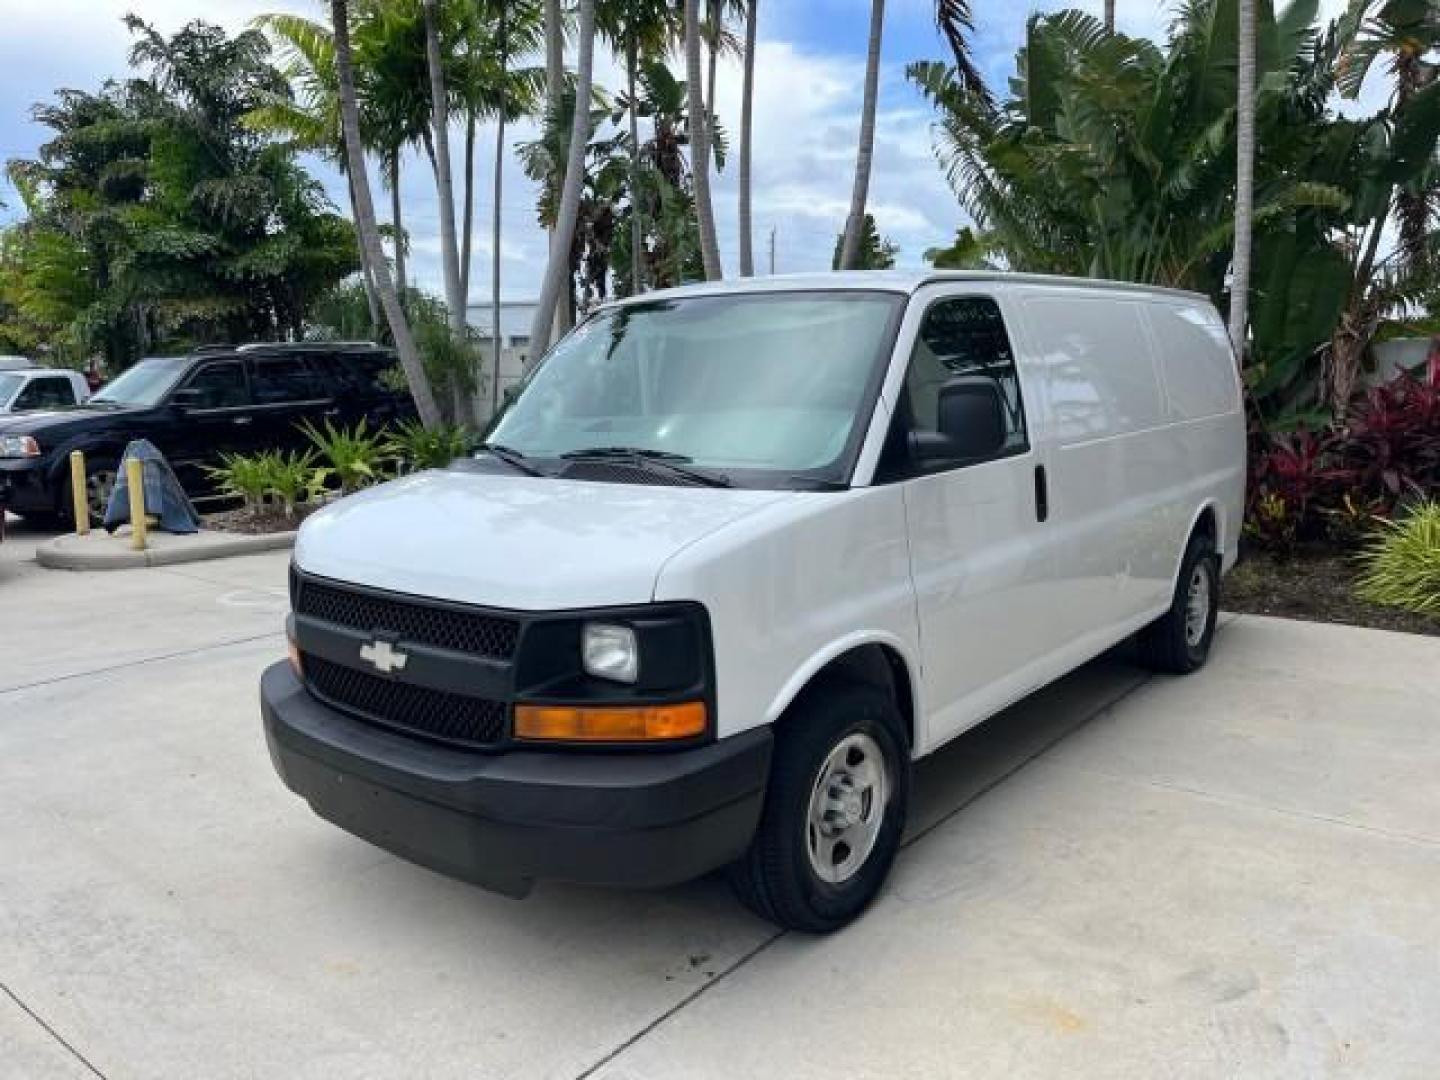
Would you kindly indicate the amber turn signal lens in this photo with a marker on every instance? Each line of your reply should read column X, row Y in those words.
column 294, row 652
column 644, row 723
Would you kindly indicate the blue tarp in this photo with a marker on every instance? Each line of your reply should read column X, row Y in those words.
column 164, row 497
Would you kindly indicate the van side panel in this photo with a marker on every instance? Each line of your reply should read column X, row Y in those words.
column 792, row 586
column 1204, row 406
column 1114, row 463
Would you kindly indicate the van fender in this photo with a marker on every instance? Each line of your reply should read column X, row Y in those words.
column 819, row 660
column 1218, row 512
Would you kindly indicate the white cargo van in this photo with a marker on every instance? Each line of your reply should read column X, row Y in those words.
column 738, row 554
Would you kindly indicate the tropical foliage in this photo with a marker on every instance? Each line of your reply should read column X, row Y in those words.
column 156, row 218
column 1115, row 157
column 1402, row 564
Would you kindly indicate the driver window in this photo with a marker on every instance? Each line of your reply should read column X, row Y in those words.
column 220, row 386
column 963, row 337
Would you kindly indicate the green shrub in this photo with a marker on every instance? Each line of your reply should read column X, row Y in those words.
column 355, row 456
column 417, row 447
column 294, row 478
column 243, row 476
column 1402, row 565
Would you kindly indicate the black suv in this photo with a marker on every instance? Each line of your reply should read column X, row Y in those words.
column 194, row 408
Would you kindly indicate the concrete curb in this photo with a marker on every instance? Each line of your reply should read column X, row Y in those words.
column 100, row 551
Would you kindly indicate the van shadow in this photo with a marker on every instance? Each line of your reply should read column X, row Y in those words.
column 945, row 783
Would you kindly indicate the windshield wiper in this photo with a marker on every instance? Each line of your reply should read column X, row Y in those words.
column 514, row 458
column 643, row 457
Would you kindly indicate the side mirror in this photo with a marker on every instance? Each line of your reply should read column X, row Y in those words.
column 971, row 422
column 186, row 399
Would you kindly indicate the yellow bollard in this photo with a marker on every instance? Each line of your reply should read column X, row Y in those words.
column 78, row 494
column 135, row 476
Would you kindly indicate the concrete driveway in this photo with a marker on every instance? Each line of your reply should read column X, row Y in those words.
column 1231, row 875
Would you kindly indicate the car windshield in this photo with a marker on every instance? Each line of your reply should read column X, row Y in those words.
column 144, row 385
column 743, row 383
column 9, row 384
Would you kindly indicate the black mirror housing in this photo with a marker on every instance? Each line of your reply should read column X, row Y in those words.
column 971, row 419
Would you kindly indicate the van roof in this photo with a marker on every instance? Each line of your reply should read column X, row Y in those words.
column 899, row 281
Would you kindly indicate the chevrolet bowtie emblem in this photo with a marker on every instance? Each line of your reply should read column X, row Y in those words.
column 384, row 657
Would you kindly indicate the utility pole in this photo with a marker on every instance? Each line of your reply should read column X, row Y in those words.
column 772, row 250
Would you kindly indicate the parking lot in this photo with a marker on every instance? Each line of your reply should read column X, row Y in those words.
column 1234, row 874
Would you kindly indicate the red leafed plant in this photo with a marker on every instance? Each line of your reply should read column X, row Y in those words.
column 1390, row 446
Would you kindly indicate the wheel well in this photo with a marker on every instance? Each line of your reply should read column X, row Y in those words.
column 1208, row 527
column 879, row 666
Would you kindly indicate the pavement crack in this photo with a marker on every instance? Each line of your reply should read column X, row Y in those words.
column 682, row 1004
column 139, row 662
column 51, row 1031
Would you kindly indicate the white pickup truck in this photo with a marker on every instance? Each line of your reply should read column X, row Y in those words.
column 737, row 555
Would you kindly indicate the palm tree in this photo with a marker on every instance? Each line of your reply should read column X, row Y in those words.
column 638, row 30
column 366, row 224
column 557, row 270
column 855, row 223
column 1110, row 15
column 701, row 141
column 440, row 125
column 747, row 109
column 1244, row 181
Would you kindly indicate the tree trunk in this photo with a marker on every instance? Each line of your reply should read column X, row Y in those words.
column 855, row 223
column 1244, row 183
column 366, row 278
column 1110, row 15
column 440, row 122
column 637, row 224
column 747, row 109
column 397, row 220
column 369, row 230
column 557, row 270
column 502, row 43
column 700, row 140
column 468, row 216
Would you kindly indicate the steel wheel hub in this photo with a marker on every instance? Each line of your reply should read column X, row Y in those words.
column 1197, row 607
column 847, row 808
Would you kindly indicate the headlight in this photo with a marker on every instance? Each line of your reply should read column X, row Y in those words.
column 610, row 652
column 14, row 446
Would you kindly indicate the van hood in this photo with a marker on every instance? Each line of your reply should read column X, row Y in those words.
column 519, row 542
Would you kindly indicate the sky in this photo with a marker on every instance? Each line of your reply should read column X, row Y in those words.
column 809, row 74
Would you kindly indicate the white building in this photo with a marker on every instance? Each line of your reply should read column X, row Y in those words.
column 515, row 319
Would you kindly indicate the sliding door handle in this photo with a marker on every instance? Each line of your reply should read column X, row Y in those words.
column 1042, row 494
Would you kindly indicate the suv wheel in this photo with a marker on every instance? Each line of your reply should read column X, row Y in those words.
column 100, row 480
column 834, row 812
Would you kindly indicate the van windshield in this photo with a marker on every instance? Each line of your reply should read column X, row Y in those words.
column 743, row 385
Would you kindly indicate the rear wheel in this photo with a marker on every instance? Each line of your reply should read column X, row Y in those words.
column 1179, row 641
column 834, row 811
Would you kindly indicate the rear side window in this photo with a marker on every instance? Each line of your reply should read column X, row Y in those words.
column 285, row 380
column 1195, row 360
column 365, row 374
column 46, row 392
column 1099, row 375
column 220, row 386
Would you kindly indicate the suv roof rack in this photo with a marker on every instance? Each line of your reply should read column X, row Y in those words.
column 263, row 346
column 213, row 348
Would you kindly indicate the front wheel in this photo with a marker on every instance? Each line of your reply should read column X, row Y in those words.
column 834, row 811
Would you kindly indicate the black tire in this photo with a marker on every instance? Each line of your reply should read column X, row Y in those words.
column 1179, row 641
column 777, row 878
column 98, row 474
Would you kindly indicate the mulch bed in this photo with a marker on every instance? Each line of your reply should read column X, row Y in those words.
column 1318, row 585
column 244, row 521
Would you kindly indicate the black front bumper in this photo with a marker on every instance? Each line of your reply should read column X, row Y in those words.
column 505, row 820
column 24, row 486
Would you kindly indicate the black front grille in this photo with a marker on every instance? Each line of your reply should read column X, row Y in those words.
column 424, row 622
column 450, row 718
